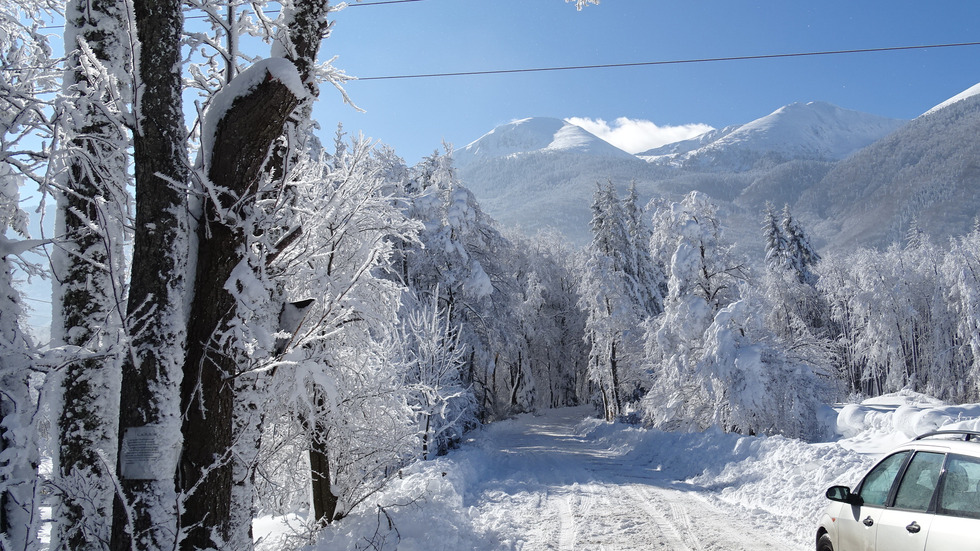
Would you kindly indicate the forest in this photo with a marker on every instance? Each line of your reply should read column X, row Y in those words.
column 249, row 320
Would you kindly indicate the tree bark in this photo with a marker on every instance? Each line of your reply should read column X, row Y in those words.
column 152, row 370
column 324, row 501
column 89, row 267
column 244, row 137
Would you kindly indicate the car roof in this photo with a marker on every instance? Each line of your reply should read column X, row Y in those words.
column 951, row 441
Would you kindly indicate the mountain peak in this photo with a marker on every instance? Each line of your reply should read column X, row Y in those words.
column 813, row 130
column 966, row 94
column 536, row 135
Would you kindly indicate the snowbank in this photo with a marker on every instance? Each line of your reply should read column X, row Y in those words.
column 907, row 413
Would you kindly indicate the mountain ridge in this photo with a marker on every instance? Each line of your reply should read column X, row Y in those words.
column 826, row 162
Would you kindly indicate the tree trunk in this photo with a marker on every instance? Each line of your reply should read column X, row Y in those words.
column 614, row 368
column 89, row 267
column 324, row 501
column 149, row 398
column 19, row 495
column 243, row 139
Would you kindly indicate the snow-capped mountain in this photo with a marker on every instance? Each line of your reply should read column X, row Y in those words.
column 966, row 94
column 852, row 178
column 814, row 131
column 929, row 170
column 536, row 135
column 540, row 172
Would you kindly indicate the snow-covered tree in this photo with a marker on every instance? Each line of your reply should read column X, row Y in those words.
column 92, row 171
column 651, row 279
column 336, row 375
column 895, row 322
column 961, row 270
column 616, row 309
column 748, row 381
column 149, row 396
column 774, row 239
column 20, row 493
column 434, row 363
column 27, row 81
column 198, row 341
column 704, row 279
column 452, row 256
column 787, row 246
column 800, row 254
column 547, row 320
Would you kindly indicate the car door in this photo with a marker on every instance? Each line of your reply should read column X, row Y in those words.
column 905, row 524
column 957, row 521
column 857, row 525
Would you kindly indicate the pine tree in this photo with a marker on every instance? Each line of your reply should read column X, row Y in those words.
column 915, row 237
column 800, row 254
column 775, row 240
column 650, row 278
column 609, row 297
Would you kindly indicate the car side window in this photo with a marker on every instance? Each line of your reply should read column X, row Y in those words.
column 919, row 481
column 876, row 485
column 959, row 495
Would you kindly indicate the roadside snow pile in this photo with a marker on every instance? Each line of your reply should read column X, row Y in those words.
column 905, row 412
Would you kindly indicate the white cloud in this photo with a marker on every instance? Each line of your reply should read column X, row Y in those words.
column 637, row 135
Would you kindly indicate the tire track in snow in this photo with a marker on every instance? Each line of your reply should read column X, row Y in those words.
column 679, row 513
column 566, row 525
column 667, row 528
column 702, row 525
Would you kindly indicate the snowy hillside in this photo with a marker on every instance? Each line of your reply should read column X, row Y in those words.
column 966, row 94
column 539, row 173
column 814, row 130
column 927, row 171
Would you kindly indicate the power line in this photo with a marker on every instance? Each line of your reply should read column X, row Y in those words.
column 668, row 62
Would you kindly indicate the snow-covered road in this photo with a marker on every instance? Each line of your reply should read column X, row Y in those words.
column 564, row 480
column 551, row 489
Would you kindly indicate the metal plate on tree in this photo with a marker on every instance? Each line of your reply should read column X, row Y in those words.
column 145, row 454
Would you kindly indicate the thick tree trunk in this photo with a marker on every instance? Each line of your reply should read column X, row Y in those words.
column 150, row 395
column 242, row 142
column 89, row 268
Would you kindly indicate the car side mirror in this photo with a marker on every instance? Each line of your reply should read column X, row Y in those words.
column 843, row 494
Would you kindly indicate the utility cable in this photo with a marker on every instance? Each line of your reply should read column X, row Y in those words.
column 668, row 62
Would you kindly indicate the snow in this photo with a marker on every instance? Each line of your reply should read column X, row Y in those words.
column 816, row 130
column 968, row 93
column 564, row 480
column 536, row 134
column 276, row 68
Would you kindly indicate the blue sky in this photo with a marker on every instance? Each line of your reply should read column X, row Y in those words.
column 432, row 36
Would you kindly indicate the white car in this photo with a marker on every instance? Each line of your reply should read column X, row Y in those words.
column 923, row 496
